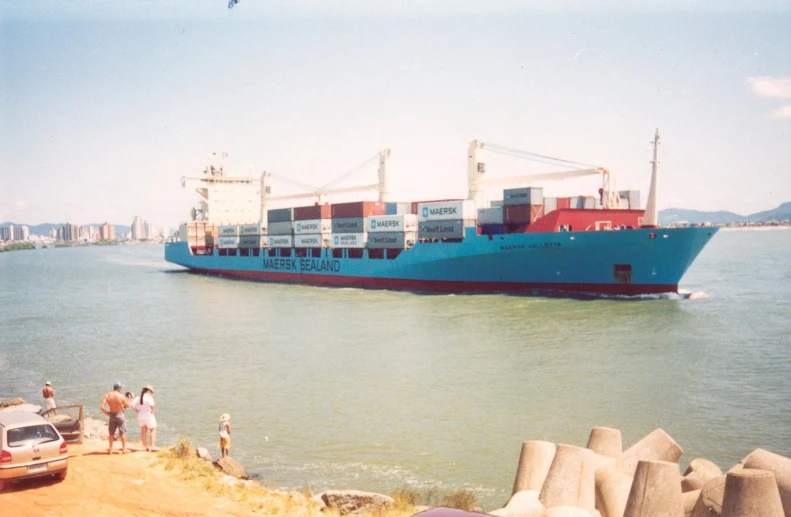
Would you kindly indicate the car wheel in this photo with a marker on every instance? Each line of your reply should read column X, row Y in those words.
column 62, row 475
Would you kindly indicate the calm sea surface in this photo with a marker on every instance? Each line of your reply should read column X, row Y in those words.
column 375, row 390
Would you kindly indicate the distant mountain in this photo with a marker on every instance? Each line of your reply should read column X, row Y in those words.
column 674, row 215
column 46, row 228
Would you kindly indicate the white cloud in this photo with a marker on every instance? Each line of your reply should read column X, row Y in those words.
column 782, row 113
column 767, row 86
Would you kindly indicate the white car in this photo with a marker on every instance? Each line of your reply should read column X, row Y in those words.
column 30, row 447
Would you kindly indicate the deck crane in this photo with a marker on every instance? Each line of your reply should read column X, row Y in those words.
column 477, row 181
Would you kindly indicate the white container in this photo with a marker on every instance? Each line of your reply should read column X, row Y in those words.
column 446, row 211
column 280, row 241
column 490, row 215
column 550, row 204
column 312, row 226
column 228, row 242
column 391, row 240
column 252, row 229
column 315, row 240
column 229, row 231
column 392, row 223
column 349, row 240
column 589, row 202
column 280, row 228
column 252, row 241
column 523, row 196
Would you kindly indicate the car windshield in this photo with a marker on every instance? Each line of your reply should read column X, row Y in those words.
column 31, row 435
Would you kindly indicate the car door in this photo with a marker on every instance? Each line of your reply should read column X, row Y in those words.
column 68, row 420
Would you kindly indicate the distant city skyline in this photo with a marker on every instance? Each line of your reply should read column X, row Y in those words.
column 105, row 107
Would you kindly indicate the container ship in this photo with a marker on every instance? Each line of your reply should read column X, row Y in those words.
column 526, row 243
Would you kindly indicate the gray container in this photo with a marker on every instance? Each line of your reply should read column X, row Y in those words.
column 280, row 215
column 252, row 241
column 391, row 240
column 577, row 202
column 523, row 196
column 252, row 229
column 550, row 204
column 229, row 231
column 589, row 202
column 348, row 225
column 443, row 229
column 316, row 240
column 403, row 208
column 630, row 199
column 280, row 228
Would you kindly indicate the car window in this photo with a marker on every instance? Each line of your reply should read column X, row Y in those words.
column 31, row 435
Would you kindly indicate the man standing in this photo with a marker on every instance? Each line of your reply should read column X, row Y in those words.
column 49, row 396
column 116, row 403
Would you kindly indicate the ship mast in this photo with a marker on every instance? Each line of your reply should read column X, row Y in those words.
column 651, row 217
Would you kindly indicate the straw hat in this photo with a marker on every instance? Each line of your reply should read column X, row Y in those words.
column 48, row 383
column 225, row 417
column 149, row 388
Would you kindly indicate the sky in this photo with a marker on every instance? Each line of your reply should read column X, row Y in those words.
column 105, row 106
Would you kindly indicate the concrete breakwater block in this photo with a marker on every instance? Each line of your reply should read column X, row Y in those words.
column 521, row 504
column 709, row 503
column 566, row 511
column 780, row 466
column 656, row 491
column 657, row 445
column 698, row 472
column 566, row 477
column 612, row 490
column 605, row 441
column 751, row 493
column 534, row 462
column 688, row 499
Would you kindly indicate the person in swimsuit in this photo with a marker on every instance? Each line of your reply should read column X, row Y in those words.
column 116, row 403
column 49, row 397
column 225, row 434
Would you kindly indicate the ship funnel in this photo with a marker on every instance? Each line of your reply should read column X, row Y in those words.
column 651, row 217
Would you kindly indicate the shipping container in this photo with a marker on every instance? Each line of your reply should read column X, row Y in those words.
column 279, row 215
column 309, row 226
column 280, row 241
column 522, row 214
column 630, row 199
column 348, row 225
column 391, row 208
column 229, row 231
column 349, row 240
column 523, row 196
column 576, row 202
column 492, row 229
column 550, row 204
column 306, row 213
column 316, row 240
column 394, row 240
column 443, row 229
column 496, row 203
column 357, row 209
column 589, row 202
column 209, row 240
column 490, row 215
column 228, row 242
column 447, row 211
column 252, row 229
column 564, row 202
column 252, row 241
column 281, row 228
column 392, row 223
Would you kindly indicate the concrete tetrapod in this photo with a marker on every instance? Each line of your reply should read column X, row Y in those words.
column 751, row 493
column 657, row 445
column 612, row 491
column 605, row 441
column 521, row 504
column 566, row 511
column 698, row 472
column 780, row 466
column 688, row 499
column 534, row 462
column 656, row 491
column 709, row 502
column 566, row 476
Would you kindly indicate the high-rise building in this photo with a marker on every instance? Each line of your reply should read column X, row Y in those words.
column 138, row 230
column 7, row 233
column 24, row 233
column 71, row 232
column 107, row 232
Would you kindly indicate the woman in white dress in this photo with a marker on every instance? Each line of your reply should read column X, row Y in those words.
column 144, row 405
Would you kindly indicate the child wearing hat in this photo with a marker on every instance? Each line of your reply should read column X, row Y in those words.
column 225, row 434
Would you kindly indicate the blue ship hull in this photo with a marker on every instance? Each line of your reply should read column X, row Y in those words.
column 626, row 262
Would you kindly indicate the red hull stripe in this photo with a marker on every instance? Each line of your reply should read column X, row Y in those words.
column 449, row 286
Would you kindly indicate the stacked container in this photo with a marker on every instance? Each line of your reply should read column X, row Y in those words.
column 198, row 234
column 252, row 236
column 630, row 199
column 280, row 221
column 445, row 219
column 391, row 231
column 312, row 226
column 228, row 237
column 348, row 222
column 522, row 206
column 550, row 204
